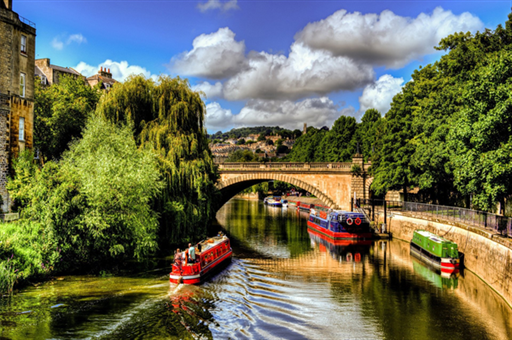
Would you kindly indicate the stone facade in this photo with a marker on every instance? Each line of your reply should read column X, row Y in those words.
column 333, row 183
column 45, row 70
column 17, row 66
column 105, row 77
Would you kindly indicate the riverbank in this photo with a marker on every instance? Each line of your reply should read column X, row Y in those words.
column 486, row 254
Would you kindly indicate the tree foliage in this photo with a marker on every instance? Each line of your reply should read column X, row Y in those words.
column 168, row 119
column 94, row 204
column 60, row 114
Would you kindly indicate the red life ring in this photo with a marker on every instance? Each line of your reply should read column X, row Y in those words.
column 349, row 221
column 357, row 257
column 358, row 221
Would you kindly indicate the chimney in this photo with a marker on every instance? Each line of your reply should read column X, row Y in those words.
column 7, row 4
column 108, row 71
column 305, row 129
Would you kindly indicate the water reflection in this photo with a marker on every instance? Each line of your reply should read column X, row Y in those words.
column 283, row 283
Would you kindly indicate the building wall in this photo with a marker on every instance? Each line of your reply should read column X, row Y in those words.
column 12, row 106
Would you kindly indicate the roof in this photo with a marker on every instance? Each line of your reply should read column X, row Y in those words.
column 38, row 72
column 65, row 69
column 104, row 80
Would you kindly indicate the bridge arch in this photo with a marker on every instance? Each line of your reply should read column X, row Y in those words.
column 232, row 186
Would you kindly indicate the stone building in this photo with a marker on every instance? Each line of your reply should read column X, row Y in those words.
column 104, row 76
column 17, row 63
column 50, row 74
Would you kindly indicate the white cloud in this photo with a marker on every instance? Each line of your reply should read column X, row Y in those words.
column 216, row 4
column 218, row 118
column 386, row 39
column 380, row 94
column 269, row 76
column 120, row 70
column 210, row 90
column 78, row 38
column 216, row 56
column 60, row 41
column 303, row 73
column 313, row 111
column 57, row 44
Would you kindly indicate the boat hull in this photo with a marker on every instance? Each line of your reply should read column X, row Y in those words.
column 338, row 235
column 205, row 272
column 446, row 265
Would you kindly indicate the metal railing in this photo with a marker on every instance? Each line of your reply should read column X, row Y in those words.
column 26, row 21
column 476, row 218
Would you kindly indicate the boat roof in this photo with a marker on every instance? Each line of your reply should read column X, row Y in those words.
column 433, row 237
column 205, row 245
column 351, row 214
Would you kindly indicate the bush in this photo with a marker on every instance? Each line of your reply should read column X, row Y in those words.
column 94, row 204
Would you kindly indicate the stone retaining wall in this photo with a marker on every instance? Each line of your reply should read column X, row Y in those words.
column 488, row 256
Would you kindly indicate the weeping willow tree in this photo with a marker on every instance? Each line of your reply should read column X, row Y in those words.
column 168, row 119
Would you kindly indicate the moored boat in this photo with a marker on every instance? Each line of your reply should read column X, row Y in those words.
column 214, row 253
column 338, row 224
column 435, row 250
column 343, row 250
column 273, row 201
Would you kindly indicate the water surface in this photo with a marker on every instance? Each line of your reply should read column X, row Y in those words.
column 283, row 282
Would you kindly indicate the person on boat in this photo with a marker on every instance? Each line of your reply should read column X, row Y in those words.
column 191, row 253
column 177, row 257
column 220, row 234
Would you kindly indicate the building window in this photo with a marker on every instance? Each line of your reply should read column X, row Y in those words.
column 44, row 81
column 22, row 129
column 23, row 44
column 22, row 85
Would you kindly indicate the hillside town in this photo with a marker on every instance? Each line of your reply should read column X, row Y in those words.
column 262, row 146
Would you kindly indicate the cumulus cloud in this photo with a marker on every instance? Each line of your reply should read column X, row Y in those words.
column 269, row 76
column 313, row 111
column 218, row 118
column 120, row 70
column 386, row 39
column 210, row 90
column 303, row 73
column 216, row 4
column 216, row 56
column 380, row 94
column 60, row 41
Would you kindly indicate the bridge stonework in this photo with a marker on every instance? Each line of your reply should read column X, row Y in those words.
column 333, row 183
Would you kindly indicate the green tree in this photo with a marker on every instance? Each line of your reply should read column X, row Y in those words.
column 261, row 137
column 95, row 203
column 482, row 137
column 336, row 146
column 60, row 114
column 168, row 118
column 241, row 141
column 306, row 147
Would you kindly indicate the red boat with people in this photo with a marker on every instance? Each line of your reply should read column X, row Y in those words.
column 209, row 255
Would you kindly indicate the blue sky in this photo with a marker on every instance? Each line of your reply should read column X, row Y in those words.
column 260, row 62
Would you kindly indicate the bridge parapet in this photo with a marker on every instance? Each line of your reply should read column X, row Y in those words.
column 288, row 166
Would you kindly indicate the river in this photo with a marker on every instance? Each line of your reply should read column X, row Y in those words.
column 283, row 283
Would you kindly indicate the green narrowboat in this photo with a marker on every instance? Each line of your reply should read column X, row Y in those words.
column 435, row 250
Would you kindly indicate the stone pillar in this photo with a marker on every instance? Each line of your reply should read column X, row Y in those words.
column 358, row 183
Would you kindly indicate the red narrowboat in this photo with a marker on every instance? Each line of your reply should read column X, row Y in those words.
column 213, row 253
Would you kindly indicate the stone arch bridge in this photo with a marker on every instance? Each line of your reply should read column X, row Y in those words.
column 333, row 183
